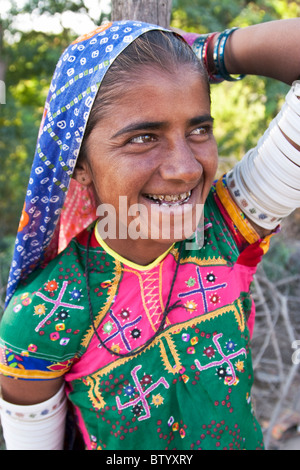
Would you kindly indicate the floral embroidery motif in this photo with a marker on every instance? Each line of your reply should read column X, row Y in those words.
column 39, row 309
column 125, row 314
column 51, row 286
column 210, row 277
column 135, row 333
column 190, row 306
column 230, row 345
column 17, row 308
column 239, row 366
column 63, row 315
column 146, row 380
column 215, row 298
column 157, row 400
column 209, row 352
column 191, row 282
column 75, row 294
column 107, row 327
column 129, row 391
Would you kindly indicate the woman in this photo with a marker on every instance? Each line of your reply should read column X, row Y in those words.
column 145, row 331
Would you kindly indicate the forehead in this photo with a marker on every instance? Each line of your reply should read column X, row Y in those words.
column 152, row 92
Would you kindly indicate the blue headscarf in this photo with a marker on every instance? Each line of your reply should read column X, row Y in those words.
column 76, row 80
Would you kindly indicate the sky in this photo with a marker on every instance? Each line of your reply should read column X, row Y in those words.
column 79, row 23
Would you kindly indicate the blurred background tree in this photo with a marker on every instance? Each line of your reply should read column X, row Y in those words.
column 33, row 33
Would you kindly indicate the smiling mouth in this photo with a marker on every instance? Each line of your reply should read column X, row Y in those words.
column 169, row 199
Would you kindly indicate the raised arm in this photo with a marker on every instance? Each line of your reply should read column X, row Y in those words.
column 265, row 184
column 269, row 49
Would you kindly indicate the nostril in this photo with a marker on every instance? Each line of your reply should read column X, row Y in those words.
column 183, row 167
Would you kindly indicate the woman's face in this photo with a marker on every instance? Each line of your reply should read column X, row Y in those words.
column 155, row 148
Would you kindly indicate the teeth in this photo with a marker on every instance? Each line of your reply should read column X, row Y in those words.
column 170, row 197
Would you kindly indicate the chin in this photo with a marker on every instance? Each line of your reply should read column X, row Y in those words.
column 173, row 226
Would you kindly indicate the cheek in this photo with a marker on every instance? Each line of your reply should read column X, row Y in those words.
column 132, row 174
column 113, row 183
column 215, row 162
column 208, row 158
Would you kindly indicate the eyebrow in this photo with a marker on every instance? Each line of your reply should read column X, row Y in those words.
column 155, row 125
column 200, row 120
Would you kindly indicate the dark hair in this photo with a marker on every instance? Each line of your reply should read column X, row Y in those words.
column 164, row 50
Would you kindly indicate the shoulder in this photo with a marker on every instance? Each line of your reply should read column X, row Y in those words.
column 224, row 232
column 42, row 327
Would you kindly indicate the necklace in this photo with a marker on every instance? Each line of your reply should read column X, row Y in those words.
column 168, row 307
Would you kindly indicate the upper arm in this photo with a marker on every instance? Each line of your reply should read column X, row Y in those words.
column 28, row 392
column 39, row 338
column 262, row 232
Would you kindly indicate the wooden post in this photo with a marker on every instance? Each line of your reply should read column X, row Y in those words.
column 151, row 11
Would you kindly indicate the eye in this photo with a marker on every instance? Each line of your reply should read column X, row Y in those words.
column 142, row 139
column 202, row 131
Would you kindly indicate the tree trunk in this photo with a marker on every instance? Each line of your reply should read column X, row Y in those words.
column 151, row 11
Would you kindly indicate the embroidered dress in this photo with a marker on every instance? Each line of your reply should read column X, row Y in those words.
column 190, row 388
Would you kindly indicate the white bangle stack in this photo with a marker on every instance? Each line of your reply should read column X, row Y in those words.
column 35, row 427
column 265, row 184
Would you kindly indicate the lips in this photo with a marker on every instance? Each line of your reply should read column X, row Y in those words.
column 169, row 199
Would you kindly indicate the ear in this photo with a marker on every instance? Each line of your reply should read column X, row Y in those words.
column 82, row 174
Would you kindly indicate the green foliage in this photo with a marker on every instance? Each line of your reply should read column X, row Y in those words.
column 238, row 106
column 215, row 15
column 50, row 7
column 242, row 112
column 205, row 15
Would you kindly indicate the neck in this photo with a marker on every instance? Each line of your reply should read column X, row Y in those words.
column 141, row 252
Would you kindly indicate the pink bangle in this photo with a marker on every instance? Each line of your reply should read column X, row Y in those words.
column 213, row 78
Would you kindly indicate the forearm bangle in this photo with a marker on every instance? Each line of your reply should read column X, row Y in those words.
column 265, row 184
column 200, row 48
column 219, row 57
column 198, row 45
column 35, row 427
column 288, row 121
